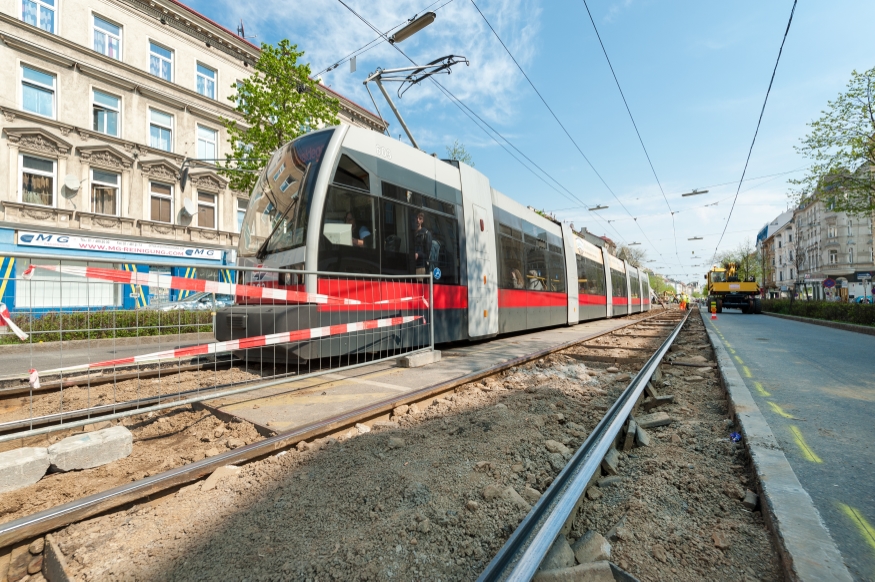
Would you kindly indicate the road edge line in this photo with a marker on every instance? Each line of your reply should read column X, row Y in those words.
column 807, row 550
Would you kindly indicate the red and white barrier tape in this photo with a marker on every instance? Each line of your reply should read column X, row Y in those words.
column 184, row 284
column 240, row 344
column 6, row 319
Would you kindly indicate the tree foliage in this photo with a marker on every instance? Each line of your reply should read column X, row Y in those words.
column 635, row 256
column 459, row 153
column 841, row 146
column 278, row 103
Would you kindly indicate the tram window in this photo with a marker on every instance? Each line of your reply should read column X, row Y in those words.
column 636, row 287
column 618, row 283
column 408, row 248
column 590, row 276
column 349, row 219
column 511, row 256
column 536, row 264
column 350, row 173
column 556, row 272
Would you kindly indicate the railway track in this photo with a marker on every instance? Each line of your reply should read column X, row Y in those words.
column 524, row 548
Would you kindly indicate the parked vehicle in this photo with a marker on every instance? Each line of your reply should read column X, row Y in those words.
column 198, row 302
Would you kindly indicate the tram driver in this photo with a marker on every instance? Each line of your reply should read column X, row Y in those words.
column 359, row 233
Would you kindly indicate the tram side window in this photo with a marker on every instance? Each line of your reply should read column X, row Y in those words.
column 618, row 283
column 536, row 264
column 590, row 276
column 443, row 253
column 556, row 270
column 511, row 255
column 636, row 288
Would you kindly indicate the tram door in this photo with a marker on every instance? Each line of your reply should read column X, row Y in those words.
column 481, row 253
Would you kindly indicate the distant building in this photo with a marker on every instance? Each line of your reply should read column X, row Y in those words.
column 102, row 102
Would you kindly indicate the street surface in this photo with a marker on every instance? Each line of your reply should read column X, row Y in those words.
column 816, row 387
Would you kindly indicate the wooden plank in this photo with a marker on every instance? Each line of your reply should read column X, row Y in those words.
column 606, row 359
column 631, row 430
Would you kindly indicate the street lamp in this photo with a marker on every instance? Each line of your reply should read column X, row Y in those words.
column 695, row 192
column 413, row 27
column 599, row 207
column 632, row 244
column 695, row 238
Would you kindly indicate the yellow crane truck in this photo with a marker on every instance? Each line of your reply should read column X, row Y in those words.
column 726, row 289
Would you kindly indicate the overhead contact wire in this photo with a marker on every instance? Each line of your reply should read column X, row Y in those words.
column 756, row 132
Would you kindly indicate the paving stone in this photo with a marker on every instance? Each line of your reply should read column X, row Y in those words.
column 592, row 493
column 420, row 359
column 531, row 495
column 654, row 420
column 609, row 481
column 22, row 467
column 560, row 555
column 593, row 572
column 385, row 425
column 213, row 480
column 591, row 547
column 750, row 500
column 556, row 447
column 37, row 546
column 93, row 449
column 400, row 410
column 611, row 462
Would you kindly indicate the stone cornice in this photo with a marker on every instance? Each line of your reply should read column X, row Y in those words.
column 37, row 140
column 104, row 156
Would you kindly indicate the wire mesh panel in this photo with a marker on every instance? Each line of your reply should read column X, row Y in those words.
column 85, row 340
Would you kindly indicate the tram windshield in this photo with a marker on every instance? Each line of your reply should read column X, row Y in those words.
column 280, row 202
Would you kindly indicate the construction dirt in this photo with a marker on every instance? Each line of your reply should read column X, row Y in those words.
column 436, row 494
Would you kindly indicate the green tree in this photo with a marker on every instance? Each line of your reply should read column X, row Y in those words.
column 459, row 153
column 841, row 146
column 278, row 103
column 635, row 256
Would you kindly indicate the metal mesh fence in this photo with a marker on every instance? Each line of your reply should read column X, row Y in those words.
column 107, row 339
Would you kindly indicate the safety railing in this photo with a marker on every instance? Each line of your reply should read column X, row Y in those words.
column 82, row 342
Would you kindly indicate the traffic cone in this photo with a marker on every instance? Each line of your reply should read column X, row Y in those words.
column 713, row 311
column 713, row 315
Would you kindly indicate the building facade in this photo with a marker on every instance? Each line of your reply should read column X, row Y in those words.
column 103, row 102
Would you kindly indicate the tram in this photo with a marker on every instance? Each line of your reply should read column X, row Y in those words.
column 350, row 200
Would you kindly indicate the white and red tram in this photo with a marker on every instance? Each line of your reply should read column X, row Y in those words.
column 349, row 200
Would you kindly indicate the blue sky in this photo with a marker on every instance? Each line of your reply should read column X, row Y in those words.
column 694, row 75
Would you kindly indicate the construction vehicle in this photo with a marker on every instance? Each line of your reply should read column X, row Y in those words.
column 727, row 289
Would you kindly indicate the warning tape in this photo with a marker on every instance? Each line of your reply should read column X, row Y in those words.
column 184, row 284
column 6, row 319
column 238, row 344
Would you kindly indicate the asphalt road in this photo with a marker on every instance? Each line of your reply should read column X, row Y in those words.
column 816, row 387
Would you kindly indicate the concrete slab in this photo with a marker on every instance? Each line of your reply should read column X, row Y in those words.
column 420, row 359
column 22, row 467
column 300, row 402
column 92, row 449
column 806, row 546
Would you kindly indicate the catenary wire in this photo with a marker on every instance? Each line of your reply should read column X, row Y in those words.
column 378, row 40
column 564, row 129
column 759, row 121
column 467, row 110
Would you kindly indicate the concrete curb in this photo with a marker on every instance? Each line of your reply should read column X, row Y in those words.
column 144, row 340
column 807, row 550
column 825, row 323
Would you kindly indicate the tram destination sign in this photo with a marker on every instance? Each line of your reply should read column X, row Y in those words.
column 105, row 245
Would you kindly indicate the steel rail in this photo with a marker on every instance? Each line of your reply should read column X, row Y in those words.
column 518, row 560
column 48, row 520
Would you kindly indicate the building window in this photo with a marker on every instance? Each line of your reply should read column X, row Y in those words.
column 160, row 130
column 242, row 205
column 160, row 62
column 106, row 111
column 833, row 257
column 851, row 256
column 37, row 180
column 206, row 81
column 831, row 231
column 37, row 92
column 107, row 38
column 105, row 192
column 206, row 143
column 39, row 13
column 206, row 210
column 162, row 202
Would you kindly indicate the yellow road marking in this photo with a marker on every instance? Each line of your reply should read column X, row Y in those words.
column 747, row 372
column 760, row 389
column 731, row 351
column 803, row 446
column 866, row 529
column 739, row 360
column 780, row 411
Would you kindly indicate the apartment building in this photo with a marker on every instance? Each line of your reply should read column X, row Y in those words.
column 103, row 102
